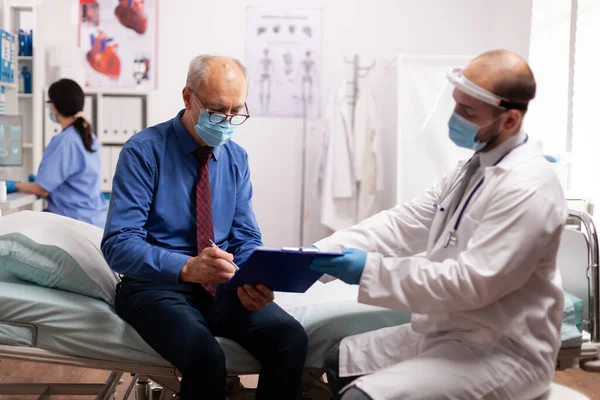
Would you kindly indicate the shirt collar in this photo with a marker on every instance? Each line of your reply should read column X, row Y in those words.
column 185, row 140
column 489, row 158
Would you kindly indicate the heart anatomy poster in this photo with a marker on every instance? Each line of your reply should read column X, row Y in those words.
column 284, row 61
column 119, row 41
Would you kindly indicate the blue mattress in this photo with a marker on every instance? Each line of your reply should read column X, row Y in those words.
column 81, row 326
column 570, row 332
column 75, row 325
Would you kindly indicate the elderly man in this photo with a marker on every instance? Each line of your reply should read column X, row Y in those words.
column 486, row 299
column 180, row 186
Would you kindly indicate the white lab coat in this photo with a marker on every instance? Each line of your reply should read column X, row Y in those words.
column 486, row 312
column 337, row 181
column 368, row 155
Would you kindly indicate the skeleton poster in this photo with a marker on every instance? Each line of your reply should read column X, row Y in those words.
column 284, row 61
column 119, row 42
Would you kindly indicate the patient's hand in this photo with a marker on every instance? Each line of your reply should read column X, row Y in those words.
column 255, row 298
column 211, row 266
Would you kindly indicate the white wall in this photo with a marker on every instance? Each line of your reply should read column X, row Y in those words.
column 377, row 29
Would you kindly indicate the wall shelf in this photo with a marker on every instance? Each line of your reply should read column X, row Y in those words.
column 9, row 85
column 27, row 15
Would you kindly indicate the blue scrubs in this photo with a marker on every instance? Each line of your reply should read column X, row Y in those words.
column 71, row 175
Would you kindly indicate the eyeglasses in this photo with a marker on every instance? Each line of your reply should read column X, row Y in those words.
column 234, row 119
column 217, row 117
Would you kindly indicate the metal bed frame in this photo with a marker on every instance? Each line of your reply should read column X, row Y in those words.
column 313, row 387
column 167, row 378
column 587, row 356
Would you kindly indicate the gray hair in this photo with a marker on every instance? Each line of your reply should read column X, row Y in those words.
column 199, row 67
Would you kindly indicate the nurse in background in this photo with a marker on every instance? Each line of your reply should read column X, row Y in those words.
column 69, row 174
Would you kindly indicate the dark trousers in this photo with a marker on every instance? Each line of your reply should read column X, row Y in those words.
column 181, row 322
column 337, row 383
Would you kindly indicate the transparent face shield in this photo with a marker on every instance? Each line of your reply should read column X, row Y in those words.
column 459, row 81
column 433, row 139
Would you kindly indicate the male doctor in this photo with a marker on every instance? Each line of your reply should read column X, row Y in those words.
column 486, row 299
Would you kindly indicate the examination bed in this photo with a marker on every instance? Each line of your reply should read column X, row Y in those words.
column 578, row 262
column 55, row 326
column 47, row 325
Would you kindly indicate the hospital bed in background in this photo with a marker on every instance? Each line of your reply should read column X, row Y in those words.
column 578, row 263
column 46, row 325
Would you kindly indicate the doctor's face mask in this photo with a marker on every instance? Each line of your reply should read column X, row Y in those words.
column 464, row 132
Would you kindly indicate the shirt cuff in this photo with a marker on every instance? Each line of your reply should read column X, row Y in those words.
column 369, row 277
column 171, row 266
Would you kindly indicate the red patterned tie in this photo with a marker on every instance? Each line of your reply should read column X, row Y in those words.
column 204, row 222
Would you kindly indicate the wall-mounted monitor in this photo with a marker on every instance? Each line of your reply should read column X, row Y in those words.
column 11, row 140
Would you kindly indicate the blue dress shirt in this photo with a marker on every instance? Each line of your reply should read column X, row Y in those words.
column 71, row 176
column 151, row 226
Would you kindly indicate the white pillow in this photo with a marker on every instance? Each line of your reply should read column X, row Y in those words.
column 58, row 252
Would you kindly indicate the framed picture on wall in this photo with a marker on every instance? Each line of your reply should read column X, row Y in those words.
column 119, row 39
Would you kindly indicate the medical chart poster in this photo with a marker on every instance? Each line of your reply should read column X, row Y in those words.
column 119, row 42
column 284, row 61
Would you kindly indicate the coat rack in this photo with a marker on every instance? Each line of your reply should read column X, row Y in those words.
column 358, row 72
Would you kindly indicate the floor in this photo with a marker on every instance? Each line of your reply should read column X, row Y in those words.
column 18, row 371
column 584, row 382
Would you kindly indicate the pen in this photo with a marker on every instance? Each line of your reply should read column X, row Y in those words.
column 216, row 247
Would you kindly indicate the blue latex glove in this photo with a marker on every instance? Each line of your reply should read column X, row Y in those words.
column 31, row 178
column 10, row 186
column 348, row 267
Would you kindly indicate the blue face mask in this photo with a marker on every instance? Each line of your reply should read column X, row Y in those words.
column 52, row 117
column 463, row 133
column 214, row 135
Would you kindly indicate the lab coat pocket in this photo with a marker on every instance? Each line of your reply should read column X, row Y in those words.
column 469, row 224
column 476, row 208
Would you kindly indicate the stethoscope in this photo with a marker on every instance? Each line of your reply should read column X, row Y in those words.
column 451, row 238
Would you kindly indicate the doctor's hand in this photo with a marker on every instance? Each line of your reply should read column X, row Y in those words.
column 255, row 298
column 348, row 267
column 211, row 266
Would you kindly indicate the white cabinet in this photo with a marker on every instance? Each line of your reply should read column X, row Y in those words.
column 122, row 117
column 26, row 15
column 106, row 162
column 109, row 156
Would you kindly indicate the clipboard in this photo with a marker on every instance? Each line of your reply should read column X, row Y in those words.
column 285, row 270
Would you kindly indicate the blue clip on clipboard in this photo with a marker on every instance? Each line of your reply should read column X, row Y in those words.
column 285, row 270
